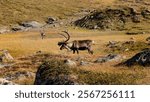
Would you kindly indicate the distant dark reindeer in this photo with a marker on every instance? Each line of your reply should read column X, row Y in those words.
column 75, row 45
column 42, row 34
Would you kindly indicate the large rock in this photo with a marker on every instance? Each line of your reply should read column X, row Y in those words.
column 4, row 30
column 55, row 72
column 70, row 62
column 110, row 19
column 32, row 24
column 100, row 19
column 110, row 57
column 18, row 28
column 142, row 58
column 27, row 25
column 50, row 20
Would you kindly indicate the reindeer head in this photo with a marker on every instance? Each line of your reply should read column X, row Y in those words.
column 63, row 44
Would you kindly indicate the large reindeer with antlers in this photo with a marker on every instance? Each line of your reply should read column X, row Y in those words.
column 75, row 45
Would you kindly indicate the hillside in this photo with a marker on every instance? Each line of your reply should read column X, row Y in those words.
column 129, row 15
column 125, row 18
column 16, row 11
column 30, row 51
column 13, row 11
column 33, row 52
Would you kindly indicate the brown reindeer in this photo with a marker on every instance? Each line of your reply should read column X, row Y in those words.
column 75, row 45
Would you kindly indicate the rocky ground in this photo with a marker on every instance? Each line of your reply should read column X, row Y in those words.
column 114, row 19
column 44, row 68
column 121, row 51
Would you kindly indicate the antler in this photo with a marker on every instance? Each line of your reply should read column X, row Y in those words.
column 63, row 35
column 67, row 35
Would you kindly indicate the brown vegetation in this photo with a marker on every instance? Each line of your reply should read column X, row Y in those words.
column 31, row 53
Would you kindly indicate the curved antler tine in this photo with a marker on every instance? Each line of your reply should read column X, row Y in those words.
column 67, row 35
column 63, row 35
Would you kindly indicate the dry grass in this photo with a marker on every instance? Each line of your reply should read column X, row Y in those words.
column 108, row 76
column 27, row 43
column 13, row 11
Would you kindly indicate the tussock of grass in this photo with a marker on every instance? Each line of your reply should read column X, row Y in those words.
column 137, row 46
column 54, row 67
column 51, row 70
column 105, row 78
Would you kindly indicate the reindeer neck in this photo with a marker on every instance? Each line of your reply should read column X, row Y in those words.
column 69, row 44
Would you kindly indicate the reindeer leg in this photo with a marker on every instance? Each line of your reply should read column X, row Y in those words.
column 90, row 50
column 74, row 51
column 77, row 51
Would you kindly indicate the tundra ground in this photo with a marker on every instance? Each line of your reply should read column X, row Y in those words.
column 22, row 45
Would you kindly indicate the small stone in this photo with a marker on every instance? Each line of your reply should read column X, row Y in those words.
column 70, row 62
column 110, row 57
column 83, row 63
column 4, row 30
column 6, row 82
column 50, row 20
